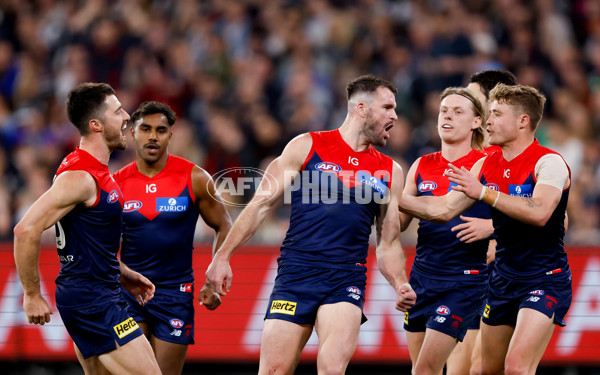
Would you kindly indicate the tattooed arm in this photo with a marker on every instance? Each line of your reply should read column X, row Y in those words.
column 531, row 203
column 552, row 176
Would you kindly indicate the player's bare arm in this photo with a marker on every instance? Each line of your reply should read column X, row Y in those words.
column 283, row 169
column 211, row 205
column 215, row 215
column 439, row 209
column 390, row 254
column 534, row 210
column 410, row 189
column 68, row 190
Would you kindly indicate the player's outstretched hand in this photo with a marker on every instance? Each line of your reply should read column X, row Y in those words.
column 406, row 298
column 209, row 298
column 473, row 229
column 137, row 284
column 219, row 274
column 466, row 182
column 37, row 309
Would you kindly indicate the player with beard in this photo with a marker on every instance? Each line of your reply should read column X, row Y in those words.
column 164, row 195
column 85, row 205
column 338, row 185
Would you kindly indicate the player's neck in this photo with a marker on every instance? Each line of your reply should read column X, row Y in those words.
column 151, row 169
column 352, row 135
column 97, row 149
column 514, row 148
column 455, row 151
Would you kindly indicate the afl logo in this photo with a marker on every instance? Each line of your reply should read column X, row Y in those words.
column 427, row 186
column 130, row 206
column 492, row 186
column 353, row 289
column 537, row 292
column 176, row 323
column 113, row 196
column 233, row 184
column 325, row 166
column 443, row 310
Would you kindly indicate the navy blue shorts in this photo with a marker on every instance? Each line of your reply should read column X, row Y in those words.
column 170, row 317
column 548, row 295
column 446, row 306
column 96, row 329
column 475, row 323
column 299, row 292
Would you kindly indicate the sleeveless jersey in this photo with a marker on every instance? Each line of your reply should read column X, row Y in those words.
column 525, row 251
column 334, row 202
column 491, row 149
column 88, row 239
column 159, row 220
column 440, row 254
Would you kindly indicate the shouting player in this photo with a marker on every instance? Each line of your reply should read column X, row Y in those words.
column 340, row 185
column 85, row 204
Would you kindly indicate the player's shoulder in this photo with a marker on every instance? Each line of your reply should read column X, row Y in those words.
column 300, row 143
column 76, row 159
column 74, row 186
column 396, row 167
column 535, row 152
column 80, row 160
column 177, row 163
column 433, row 158
column 125, row 172
column 324, row 134
column 323, row 139
column 198, row 173
column 472, row 158
column 306, row 138
column 538, row 150
column 75, row 178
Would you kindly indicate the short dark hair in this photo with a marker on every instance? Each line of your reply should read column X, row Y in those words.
column 150, row 108
column 488, row 79
column 369, row 84
column 85, row 102
column 526, row 98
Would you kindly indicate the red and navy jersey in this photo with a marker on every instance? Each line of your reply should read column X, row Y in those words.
column 334, row 203
column 525, row 251
column 159, row 220
column 440, row 254
column 88, row 238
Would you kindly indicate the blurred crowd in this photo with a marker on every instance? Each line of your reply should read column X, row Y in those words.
column 246, row 76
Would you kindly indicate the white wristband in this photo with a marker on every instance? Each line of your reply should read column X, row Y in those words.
column 496, row 200
column 482, row 192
